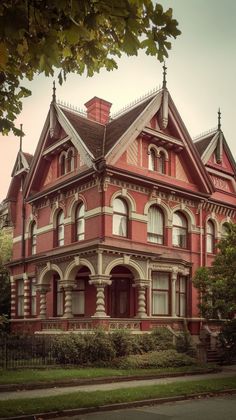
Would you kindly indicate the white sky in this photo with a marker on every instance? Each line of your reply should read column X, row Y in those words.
column 200, row 77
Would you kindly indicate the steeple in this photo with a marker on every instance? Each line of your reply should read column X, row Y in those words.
column 164, row 76
column 163, row 113
column 219, row 120
column 219, row 147
column 53, row 115
column 21, row 125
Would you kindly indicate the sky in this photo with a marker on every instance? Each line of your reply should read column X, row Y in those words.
column 201, row 72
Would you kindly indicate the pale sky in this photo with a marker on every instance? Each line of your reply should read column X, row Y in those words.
column 200, row 77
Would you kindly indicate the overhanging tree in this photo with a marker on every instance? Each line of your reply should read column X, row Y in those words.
column 217, row 284
column 82, row 36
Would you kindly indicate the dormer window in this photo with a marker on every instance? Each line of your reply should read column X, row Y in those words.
column 70, row 160
column 62, row 164
column 157, row 158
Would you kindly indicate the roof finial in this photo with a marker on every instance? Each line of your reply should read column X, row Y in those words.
column 164, row 76
column 219, row 119
column 21, row 137
column 54, row 92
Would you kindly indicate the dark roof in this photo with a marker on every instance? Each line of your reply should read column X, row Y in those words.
column 28, row 157
column 92, row 132
column 201, row 145
column 119, row 125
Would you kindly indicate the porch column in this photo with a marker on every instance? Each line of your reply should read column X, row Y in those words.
column 68, row 288
column 141, row 285
column 173, row 292
column 100, row 282
column 43, row 291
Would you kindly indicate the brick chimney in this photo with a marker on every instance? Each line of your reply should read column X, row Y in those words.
column 98, row 110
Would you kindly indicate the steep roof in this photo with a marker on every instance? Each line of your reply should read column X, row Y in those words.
column 201, row 144
column 100, row 138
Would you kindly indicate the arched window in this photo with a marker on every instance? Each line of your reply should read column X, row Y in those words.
column 179, row 230
column 60, row 228
column 210, row 237
column 162, row 163
column 70, row 160
column 33, row 238
column 62, row 164
column 120, row 218
column 79, row 222
column 152, row 160
column 224, row 230
column 155, row 228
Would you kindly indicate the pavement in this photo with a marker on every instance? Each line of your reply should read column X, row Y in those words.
column 227, row 371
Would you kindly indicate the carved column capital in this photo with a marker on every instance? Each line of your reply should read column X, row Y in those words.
column 100, row 280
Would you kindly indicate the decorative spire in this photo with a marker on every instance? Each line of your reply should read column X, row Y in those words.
column 164, row 75
column 21, row 137
column 54, row 92
column 219, row 120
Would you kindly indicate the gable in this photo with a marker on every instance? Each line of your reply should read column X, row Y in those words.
column 224, row 164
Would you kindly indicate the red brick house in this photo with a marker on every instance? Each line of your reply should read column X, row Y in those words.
column 112, row 216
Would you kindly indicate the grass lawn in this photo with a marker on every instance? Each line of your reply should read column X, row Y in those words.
column 62, row 374
column 74, row 400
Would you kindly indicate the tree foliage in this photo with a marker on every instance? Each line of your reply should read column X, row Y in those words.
column 217, row 284
column 40, row 36
column 5, row 255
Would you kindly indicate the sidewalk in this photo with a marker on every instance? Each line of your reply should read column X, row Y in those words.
column 227, row 371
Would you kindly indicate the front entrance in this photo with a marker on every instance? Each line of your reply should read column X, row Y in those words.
column 121, row 293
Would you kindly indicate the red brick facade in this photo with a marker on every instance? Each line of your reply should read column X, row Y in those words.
column 113, row 216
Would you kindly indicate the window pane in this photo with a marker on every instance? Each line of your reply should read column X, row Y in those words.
column 155, row 225
column 179, row 220
column 182, row 281
column 151, row 160
column 210, row 228
column 182, row 305
column 20, row 287
column 119, row 225
column 119, row 206
column 78, row 302
column 160, row 303
column 179, row 237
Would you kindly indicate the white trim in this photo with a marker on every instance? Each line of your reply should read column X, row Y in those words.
column 17, row 239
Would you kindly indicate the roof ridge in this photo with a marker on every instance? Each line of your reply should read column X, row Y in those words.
column 136, row 102
column 204, row 134
column 72, row 108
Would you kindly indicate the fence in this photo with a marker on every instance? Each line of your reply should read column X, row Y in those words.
column 26, row 351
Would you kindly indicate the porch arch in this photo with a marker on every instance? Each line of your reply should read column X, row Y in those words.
column 134, row 267
column 74, row 266
column 45, row 275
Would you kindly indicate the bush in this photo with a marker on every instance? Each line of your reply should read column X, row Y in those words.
column 70, row 349
column 123, row 343
column 184, row 344
column 163, row 338
column 100, row 348
column 155, row 359
column 227, row 341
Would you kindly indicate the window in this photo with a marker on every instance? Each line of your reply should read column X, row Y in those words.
column 210, row 237
column 70, row 160
column 160, row 293
column 152, row 160
column 79, row 222
column 180, row 296
column 157, row 161
column 33, row 238
column 120, row 217
column 33, row 297
column 60, row 228
column 224, row 230
column 155, row 226
column 62, row 164
column 78, row 297
column 59, row 299
column 20, row 297
column 162, row 163
column 179, row 230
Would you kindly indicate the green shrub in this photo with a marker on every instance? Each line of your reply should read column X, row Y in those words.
column 184, row 344
column 155, row 359
column 70, row 349
column 227, row 341
column 123, row 343
column 163, row 338
column 99, row 348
